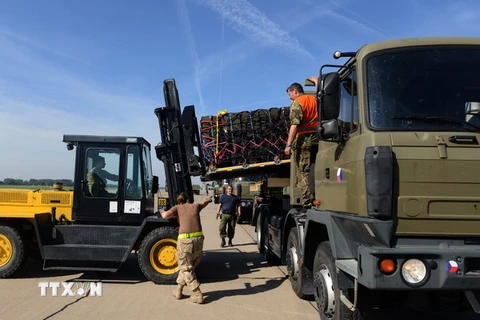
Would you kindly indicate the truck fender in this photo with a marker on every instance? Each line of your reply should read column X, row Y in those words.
column 315, row 232
column 292, row 220
column 148, row 225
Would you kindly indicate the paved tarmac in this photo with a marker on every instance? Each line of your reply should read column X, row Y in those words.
column 236, row 281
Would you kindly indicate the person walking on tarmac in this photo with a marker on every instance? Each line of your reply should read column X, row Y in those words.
column 302, row 136
column 228, row 206
column 189, row 244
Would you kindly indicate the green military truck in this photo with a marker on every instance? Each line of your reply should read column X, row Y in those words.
column 396, row 215
column 220, row 188
column 245, row 189
column 397, row 186
column 196, row 189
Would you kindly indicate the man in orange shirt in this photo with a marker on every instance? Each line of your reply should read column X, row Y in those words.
column 302, row 136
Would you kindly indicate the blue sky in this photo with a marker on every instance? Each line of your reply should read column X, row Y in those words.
column 97, row 67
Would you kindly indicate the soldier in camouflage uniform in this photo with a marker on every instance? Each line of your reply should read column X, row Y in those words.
column 302, row 137
column 97, row 179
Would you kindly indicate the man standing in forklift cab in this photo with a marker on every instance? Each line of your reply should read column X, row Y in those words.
column 302, row 136
column 97, row 178
column 189, row 244
column 228, row 207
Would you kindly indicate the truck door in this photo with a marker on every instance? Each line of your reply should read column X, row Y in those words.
column 336, row 163
column 99, row 176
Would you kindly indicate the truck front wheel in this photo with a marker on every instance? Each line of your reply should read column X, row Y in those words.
column 157, row 256
column 13, row 255
column 294, row 268
column 326, row 291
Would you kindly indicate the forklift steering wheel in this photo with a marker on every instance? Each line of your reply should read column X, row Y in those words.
column 131, row 189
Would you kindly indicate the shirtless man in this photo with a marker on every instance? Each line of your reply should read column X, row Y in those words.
column 189, row 244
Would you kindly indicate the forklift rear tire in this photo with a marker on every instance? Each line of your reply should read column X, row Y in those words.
column 13, row 255
column 157, row 255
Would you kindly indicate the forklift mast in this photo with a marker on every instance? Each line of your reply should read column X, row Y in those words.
column 180, row 135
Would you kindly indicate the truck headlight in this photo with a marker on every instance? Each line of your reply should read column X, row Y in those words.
column 414, row 272
column 243, row 204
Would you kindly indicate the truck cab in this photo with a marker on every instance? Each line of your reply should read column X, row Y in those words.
column 244, row 188
column 196, row 189
column 122, row 165
column 220, row 188
column 396, row 183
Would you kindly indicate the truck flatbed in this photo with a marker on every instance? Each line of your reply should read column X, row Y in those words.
column 251, row 169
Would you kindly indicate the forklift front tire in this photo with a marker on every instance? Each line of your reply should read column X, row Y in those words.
column 157, row 255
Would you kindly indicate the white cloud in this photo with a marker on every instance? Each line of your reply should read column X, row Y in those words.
column 248, row 18
column 459, row 18
column 192, row 51
column 355, row 24
column 39, row 45
column 249, row 21
column 367, row 25
column 40, row 101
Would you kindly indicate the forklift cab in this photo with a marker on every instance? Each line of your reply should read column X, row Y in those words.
column 114, row 183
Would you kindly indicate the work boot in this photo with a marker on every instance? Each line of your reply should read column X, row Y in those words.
column 197, row 296
column 230, row 244
column 177, row 293
column 223, row 244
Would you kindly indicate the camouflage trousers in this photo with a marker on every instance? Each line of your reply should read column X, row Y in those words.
column 227, row 225
column 304, row 153
column 189, row 254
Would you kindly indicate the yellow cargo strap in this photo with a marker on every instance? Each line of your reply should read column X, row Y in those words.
column 221, row 113
column 190, row 235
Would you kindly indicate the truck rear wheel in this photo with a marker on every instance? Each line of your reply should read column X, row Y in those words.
column 326, row 290
column 157, row 256
column 294, row 268
column 13, row 255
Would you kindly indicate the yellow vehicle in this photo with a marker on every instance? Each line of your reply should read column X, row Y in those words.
column 112, row 211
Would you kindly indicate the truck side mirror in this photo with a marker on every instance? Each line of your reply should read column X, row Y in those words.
column 471, row 109
column 328, row 96
column 328, row 130
column 154, row 185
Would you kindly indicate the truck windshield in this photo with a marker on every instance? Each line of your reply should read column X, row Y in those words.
column 424, row 89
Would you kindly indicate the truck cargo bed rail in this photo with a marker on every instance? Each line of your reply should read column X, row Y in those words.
column 252, row 169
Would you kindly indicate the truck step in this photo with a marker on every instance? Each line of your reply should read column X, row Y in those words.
column 106, row 266
column 350, row 266
column 77, row 252
column 90, row 235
